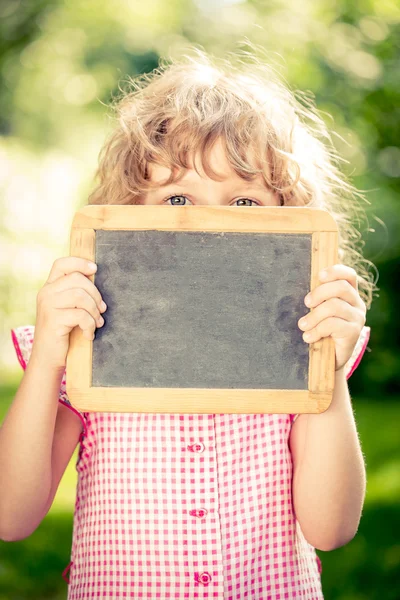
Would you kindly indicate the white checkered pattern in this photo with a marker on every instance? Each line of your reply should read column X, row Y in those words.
column 187, row 506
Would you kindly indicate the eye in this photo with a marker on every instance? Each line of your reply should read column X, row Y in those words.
column 242, row 200
column 179, row 200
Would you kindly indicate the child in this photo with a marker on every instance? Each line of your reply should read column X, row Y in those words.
column 196, row 505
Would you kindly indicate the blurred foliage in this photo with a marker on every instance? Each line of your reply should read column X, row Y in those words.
column 61, row 62
column 367, row 568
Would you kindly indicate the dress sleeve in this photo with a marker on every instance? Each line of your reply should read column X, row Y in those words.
column 355, row 358
column 22, row 338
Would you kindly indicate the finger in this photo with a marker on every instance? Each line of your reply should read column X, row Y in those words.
column 335, row 289
column 333, row 326
column 78, row 298
column 79, row 317
column 334, row 307
column 78, row 280
column 68, row 264
column 339, row 271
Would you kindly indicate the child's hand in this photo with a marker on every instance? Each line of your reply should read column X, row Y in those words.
column 68, row 299
column 338, row 311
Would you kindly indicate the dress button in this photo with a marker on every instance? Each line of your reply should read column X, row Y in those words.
column 196, row 447
column 203, row 578
column 201, row 512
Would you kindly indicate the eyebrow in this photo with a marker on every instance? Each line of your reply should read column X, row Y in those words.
column 250, row 184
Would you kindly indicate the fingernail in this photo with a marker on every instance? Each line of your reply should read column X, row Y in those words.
column 323, row 275
column 103, row 305
column 92, row 265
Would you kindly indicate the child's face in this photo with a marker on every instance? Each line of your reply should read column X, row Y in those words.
column 194, row 189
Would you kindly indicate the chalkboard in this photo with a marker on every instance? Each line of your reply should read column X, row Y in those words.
column 203, row 309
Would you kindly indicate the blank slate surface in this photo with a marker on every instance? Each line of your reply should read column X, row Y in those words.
column 201, row 309
column 203, row 304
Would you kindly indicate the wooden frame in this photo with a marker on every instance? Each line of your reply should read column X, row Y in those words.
column 316, row 399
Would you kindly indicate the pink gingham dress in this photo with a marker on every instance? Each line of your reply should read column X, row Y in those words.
column 174, row 506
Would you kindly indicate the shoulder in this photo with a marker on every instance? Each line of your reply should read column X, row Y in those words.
column 358, row 352
column 22, row 338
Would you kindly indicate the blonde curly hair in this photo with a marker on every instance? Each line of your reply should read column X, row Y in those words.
column 184, row 106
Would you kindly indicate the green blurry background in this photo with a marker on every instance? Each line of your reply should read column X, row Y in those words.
column 60, row 64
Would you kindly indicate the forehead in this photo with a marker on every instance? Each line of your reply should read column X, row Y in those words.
column 217, row 158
